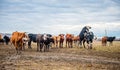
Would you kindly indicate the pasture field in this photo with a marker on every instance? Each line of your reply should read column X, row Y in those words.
column 76, row 58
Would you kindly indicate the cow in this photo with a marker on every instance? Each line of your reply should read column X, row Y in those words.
column 61, row 40
column 109, row 39
column 1, row 39
column 43, row 40
column 17, row 40
column 6, row 39
column 87, row 36
column 32, row 38
column 0, row 36
column 104, row 41
column 76, row 40
column 69, row 40
column 56, row 41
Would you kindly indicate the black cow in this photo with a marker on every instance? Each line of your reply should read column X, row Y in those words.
column 32, row 38
column 110, row 39
column 84, row 31
column 6, row 39
column 43, row 40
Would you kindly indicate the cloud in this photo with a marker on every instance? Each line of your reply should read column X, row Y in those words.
column 60, row 16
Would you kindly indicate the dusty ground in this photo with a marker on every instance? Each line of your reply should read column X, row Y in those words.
column 61, row 58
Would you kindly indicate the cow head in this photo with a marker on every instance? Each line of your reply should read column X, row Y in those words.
column 88, row 27
column 45, row 36
column 25, row 37
column 61, row 36
column 114, row 38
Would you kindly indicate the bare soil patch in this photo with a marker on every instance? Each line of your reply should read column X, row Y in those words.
column 58, row 59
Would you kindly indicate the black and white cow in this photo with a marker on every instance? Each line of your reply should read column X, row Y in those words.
column 82, row 33
column 43, row 41
column 86, row 36
column 89, row 39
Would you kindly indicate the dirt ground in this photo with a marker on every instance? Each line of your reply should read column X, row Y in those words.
column 58, row 59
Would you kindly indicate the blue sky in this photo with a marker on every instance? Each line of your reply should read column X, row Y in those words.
column 60, row 16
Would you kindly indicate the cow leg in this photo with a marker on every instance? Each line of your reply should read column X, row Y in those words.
column 45, row 48
column 48, row 47
column 105, row 43
column 20, row 47
column 16, row 46
column 6, row 43
column 16, row 49
column 23, row 46
column 41, row 46
column 61, row 44
column 56, row 44
column 80, row 42
column 90, row 45
column 110, row 43
column 29, row 45
column 84, row 43
column 66, row 44
column 38, row 46
column 71, row 44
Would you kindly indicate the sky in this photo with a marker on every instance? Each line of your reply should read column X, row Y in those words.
column 60, row 16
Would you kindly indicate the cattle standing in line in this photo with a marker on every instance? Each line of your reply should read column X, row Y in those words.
column 69, row 40
column 109, row 39
column 17, row 40
column 6, row 39
column 32, row 38
column 43, row 41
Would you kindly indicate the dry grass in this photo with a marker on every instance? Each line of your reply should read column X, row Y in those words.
column 99, row 58
column 114, row 48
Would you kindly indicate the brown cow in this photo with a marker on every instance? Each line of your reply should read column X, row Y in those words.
column 56, row 40
column 1, row 39
column 76, row 40
column 69, row 40
column 17, row 40
column 104, row 41
column 61, row 40
column 0, row 36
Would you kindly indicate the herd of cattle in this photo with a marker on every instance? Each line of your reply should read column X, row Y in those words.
column 44, row 41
